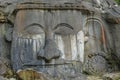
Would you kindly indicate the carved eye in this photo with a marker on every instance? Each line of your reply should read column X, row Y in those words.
column 63, row 29
column 35, row 29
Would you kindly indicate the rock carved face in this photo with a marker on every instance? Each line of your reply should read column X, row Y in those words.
column 44, row 35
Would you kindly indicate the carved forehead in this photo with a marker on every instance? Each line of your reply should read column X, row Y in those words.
column 49, row 18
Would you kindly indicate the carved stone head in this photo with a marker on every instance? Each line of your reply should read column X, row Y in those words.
column 42, row 35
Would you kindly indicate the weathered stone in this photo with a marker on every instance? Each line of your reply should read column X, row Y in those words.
column 3, row 66
column 31, row 75
column 96, row 65
column 112, row 76
column 2, row 78
column 8, row 34
column 58, row 39
column 94, row 78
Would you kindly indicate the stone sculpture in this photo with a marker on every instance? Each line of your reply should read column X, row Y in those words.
column 59, row 38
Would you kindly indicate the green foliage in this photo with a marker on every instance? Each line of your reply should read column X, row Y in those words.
column 118, row 1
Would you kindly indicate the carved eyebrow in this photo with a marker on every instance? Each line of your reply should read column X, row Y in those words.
column 33, row 24
column 63, row 24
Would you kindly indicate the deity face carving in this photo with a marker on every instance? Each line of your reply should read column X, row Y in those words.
column 94, row 30
column 44, row 35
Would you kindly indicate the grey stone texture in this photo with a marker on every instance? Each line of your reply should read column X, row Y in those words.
column 63, row 39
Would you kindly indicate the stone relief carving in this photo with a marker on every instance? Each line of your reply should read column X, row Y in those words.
column 36, row 38
column 96, row 50
column 50, row 37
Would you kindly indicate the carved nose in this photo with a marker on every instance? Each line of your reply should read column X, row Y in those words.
column 50, row 51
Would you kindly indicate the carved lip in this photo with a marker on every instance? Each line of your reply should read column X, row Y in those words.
column 56, row 63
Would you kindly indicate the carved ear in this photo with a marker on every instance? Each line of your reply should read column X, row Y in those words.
column 8, row 35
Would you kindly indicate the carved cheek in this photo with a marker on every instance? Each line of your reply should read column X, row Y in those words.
column 27, row 44
column 63, row 38
column 60, row 44
column 67, row 45
column 80, row 45
column 71, row 46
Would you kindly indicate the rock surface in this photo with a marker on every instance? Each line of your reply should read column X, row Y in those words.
column 111, row 76
column 59, row 39
column 94, row 78
column 31, row 75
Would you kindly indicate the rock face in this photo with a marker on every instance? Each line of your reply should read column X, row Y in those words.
column 111, row 76
column 59, row 39
column 30, row 75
